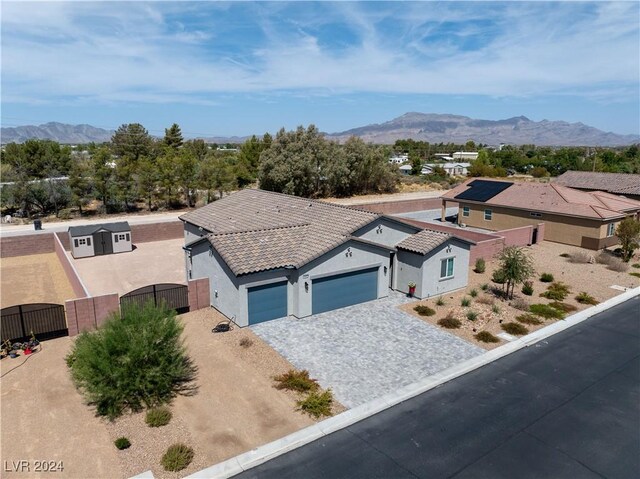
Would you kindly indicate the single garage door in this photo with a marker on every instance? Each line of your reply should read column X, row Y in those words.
column 345, row 289
column 267, row 302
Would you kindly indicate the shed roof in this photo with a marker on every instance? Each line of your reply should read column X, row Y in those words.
column 88, row 230
column 424, row 241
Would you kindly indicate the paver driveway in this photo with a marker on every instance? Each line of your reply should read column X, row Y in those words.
column 367, row 350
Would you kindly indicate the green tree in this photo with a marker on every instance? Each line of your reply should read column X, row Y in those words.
column 187, row 175
column 80, row 182
column 416, row 164
column 197, row 148
column 217, row 174
column 628, row 232
column 516, row 267
column 102, row 172
column 131, row 141
column 147, row 180
column 173, row 136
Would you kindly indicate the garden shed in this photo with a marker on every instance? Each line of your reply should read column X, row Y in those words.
column 106, row 238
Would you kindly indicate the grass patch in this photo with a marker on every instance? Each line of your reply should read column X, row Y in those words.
column 298, row 381
column 546, row 277
column 246, row 342
column 637, row 275
column 635, row 265
column 516, row 329
column 564, row 307
column 177, row 457
column 556, row 291
column 484, row 286
column 529, row 319
column 581, row 257
column 546, row 311
column 158, row 417
column 527, row 288
column 122, row 443
column 440, row 301
column 486, row 337
column 565, row 255
column 424, row 310
column 449, row 322
column 520, row 304
column 586, row 298
column 317, row 404
column 473, row 293
column 488, row 300
column 496, row 309
column 472, row 315
column 465, row 302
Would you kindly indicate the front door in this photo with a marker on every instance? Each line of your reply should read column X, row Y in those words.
column 102, row 243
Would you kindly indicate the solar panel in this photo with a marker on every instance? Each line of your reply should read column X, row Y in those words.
column 482, row 190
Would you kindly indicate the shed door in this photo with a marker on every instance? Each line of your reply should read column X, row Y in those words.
column 102, row 242
column 345, row 289
column 267, row 302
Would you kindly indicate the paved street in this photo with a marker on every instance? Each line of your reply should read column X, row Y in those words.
column 566, row 407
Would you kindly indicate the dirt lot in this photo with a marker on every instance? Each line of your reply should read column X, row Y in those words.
column 148, row 263
column 236, row 409
column 594, row 279
column 37, row 278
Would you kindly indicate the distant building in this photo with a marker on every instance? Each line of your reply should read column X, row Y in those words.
column 452, row 169
column 405, row 169
column 399, row 158
column 465, row 155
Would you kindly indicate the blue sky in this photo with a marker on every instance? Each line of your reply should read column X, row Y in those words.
column 249, row 67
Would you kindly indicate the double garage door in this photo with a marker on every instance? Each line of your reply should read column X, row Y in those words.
column 332, row 292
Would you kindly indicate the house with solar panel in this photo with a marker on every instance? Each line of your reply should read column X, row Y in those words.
column 580, row 218
column 269, row 255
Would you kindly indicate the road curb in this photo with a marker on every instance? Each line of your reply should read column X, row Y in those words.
column 261, row 454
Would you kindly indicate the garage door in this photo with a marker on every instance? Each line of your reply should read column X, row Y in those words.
column 342, row 290
column 267, row 302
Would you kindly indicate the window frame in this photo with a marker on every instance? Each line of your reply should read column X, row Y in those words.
column 611, row 230
column 445, row 262
column 490, row 211
column 466, row 211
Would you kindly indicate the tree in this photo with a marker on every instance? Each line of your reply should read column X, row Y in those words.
column 217, row 174
column 628, row 232
column 416, row 164
column 102, row 166
column 197, row 148
column 131, row 141
column 515, row 266
column 187, row 175
column 147, row 179
column 173, row 136
column 80, row 182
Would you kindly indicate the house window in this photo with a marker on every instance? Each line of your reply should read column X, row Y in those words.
column 122, row 237
column 535, row 215
column 88, row 241
column 488, row 214
column 465, row 211
column 446, row 268
column 82, row 242
column 611, row 229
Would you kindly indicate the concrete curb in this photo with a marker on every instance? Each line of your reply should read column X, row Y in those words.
column 262, row 454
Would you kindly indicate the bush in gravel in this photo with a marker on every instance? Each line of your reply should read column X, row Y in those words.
column 484, row 286
column 546, row 277
column 317, row 404
column 472, row 315
column 564, row 307
column 465, row 302
column 480, row 266
column 585, row 298
column 556, row 291
column 527, row 288
column 637, row 275
column 635, row 265
column 488, row 300
column 449, row 322
column 157, row 417
column 440, row 301
column 546, row 311
column 136, row 360
column 520, row 304
column 296, row 381
column 177, row 457
column 529, row 319
column 246, row 342
column 496, row 309
column 424, row 310
column 618, row 265
column 122, row 443
column 486, row 337
column 604, row 257
column 473, row 293
column 516, row 329
column 580, row 257
column 565, row 255
column 499, row 276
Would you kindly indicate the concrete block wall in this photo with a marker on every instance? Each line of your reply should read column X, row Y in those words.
column 86, row 314
column 77, row 285
column 403, row 206
column 146, row 233
column 37, row 243
column 199, row 294
column 485, row 249
column 517, row 236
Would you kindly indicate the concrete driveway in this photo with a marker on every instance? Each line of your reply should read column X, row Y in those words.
column 367, row 350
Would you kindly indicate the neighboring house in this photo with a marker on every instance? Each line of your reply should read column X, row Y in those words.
column 624, row 184
column 585, row 219
column 399, row 158
column 269, row 255
column 405, row 169
column 452, row 169
column 106, row 238
column 465, row 155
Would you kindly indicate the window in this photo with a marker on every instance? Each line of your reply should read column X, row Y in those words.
column 127, row 236
column 82, row 241
column 115, row 237
column 488, row 214
column 465, row 211
column 611, row 229
column 75, row 242
column 446, row 268
column 122, row 237
column 535, row 215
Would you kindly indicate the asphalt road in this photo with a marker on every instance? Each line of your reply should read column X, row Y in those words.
column 567, row 407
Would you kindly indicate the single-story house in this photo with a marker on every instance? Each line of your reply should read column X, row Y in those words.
column 579, row 218
column 465, row 155
column 625, row 184
column 106, row 238
column 399, row 158
column 405, row 169
column 269, row 255
column 452, row 169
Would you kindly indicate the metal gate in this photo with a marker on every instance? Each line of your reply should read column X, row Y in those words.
column 174, row 296
column 46, row 321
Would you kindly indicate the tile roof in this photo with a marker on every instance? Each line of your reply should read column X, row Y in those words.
column 87, row 230
column 620, row 183
column 424, row 241
column 555, row 198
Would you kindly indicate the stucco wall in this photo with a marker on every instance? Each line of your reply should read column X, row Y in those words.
column 78, row 286
column 408, row 270
column 386, row 232
column 403, row 206
column 192, row 233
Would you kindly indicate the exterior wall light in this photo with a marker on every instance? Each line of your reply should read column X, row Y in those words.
column 306, row 286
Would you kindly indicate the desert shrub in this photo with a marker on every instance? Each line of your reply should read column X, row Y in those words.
column 516, row 329
column 122, row 443
column 157, row 417
column 246, row 342
column 465, row 302
column 484, row 286
column 564, row 307
column 546, row 311
column 585, row 298
column 480, row 266
column 580, row 257
column 317, row 404
column 539, row 172
column 618, row 265
column 177, row 457
column 565, row 255
column 496, row 309
column 637, row 275
column 472, row 315
column 486, row 337
column 135, row 360
column 520, row 304
column 604, row 257
column 499, row 276
column 473, row 293
column 556, row 291
column 635, row 265
column 488, row 300
column 449, row 322
column 424, row 310
column 294, row 380
column 546, row 277
column 528, row 319
column 440, row 301
column 527, row 288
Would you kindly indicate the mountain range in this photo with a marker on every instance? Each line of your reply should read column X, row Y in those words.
column 431, row 127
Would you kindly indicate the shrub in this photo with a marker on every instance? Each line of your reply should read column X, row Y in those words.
column 122, row 443
column 539, row 172
column 449, row 322
column 488, row 300
column 499, row 276
column 177, row 457
column 546, row 277
column 440, row 301
column 565, row 255
column 520, row 304
column 472, row 315
column 556, row 291
column 604, row 257
column 317, row 404
column 528, row 319
column 635, row 265
column 564, row 307
column 484, row 286
column 465, row 302
column 486, row 337
column 585, row 298
column 516, row 329
column 157, row 417
column 546, row 311
column 618, row 265
column 473, row 293
column 480, row 266
column 527, row 288
column 637, row 275
column 424, row 310
column 298, row 381
column 495, row 308
column 133, row 361
column 580, row 257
